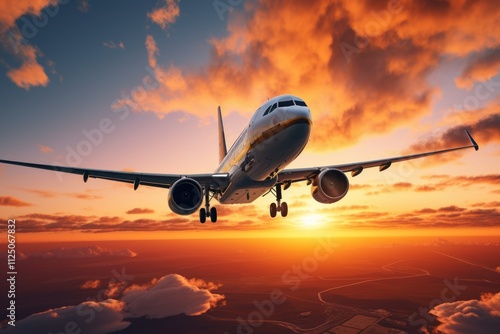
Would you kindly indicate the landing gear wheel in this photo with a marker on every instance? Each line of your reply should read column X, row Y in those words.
column 203, row 216
column 272, row 210
column 284, row 209
column 213, row 214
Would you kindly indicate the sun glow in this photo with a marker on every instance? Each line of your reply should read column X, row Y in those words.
column 312, row 220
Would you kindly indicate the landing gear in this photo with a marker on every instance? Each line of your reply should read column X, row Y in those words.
column 278, row 206
column 207, row 211
column 272, row 210
column 203, row 215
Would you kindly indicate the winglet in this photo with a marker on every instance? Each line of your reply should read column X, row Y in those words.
column 222, row 137
column 473, row 142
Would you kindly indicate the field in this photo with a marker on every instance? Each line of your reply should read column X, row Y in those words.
column 280, row 286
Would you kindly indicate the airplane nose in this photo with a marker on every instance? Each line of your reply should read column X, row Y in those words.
column 298, row 113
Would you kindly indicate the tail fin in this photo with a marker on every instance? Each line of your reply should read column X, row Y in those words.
column 222, row 138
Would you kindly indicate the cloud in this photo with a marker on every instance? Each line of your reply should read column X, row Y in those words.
column 12, row 201
column 11, row 10
column 494, row 204
column 140, row 211
column 166, row 14
column 486, row 130
column 84, row 6
column 171, row 295
column 113, row 44
column 470, row 316
column 44, row 148
column 91, row 284
column 86, row 196
column 81, row 252
column 51, row 194
column 467, row 181
column 39, row 192
column 31, row 73
column 270, row 50
column 88, row 317
column 452, row 208
column 481, row 68
column 152, row 49
column 389, row 188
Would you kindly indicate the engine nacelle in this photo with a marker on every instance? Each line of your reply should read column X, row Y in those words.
column 330, row 186
column 185, row 196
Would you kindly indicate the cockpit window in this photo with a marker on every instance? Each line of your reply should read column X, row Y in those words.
column 272, row 108
column 300, row 103
column 267, row 110
column 287, row 103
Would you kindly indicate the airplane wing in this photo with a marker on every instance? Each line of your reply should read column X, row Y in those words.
column 215, row 181
column 288, row 176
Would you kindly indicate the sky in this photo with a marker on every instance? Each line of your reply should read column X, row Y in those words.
column 134, row 85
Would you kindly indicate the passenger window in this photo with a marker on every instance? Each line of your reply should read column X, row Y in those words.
column 300, row 103
column 285, row 103
column 267, row 110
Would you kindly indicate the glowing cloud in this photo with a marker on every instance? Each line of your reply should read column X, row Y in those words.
column 31, row 73
column 91, row 284
column 271, row 50
column 165, row 15
column 11, row 10
column 171, row 295
column 44, row 148
column 470, row 316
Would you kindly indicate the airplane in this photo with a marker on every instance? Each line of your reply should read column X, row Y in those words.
column 254, row 165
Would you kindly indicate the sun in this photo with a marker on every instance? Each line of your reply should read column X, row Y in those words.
column 312, row 220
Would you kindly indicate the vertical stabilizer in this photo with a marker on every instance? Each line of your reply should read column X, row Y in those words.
column 222, row 138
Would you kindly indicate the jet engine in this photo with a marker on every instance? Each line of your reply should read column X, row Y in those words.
column 330, row 186
column 185, row 196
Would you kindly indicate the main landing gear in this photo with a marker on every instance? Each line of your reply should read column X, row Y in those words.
column 207, row 211
column 278, row 206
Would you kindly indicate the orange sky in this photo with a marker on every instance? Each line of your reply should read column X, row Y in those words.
column 382, row 78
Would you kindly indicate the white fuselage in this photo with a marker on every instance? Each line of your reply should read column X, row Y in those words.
column 277, row 133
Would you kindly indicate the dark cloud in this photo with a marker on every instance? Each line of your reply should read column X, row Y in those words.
column 481, row 67
column 485, row 131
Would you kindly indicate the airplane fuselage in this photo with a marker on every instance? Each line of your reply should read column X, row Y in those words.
column 277, row 133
